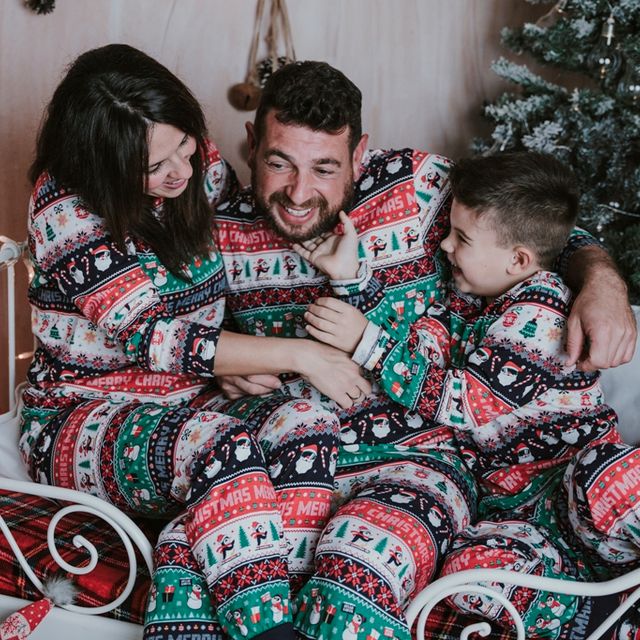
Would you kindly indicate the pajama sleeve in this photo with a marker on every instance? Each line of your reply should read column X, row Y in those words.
column 382, row 302
column 518, row 357
column 78, row 264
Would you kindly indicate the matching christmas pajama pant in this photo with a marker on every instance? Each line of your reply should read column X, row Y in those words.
column 401, row 496
column 249, row 496
column 585, row 526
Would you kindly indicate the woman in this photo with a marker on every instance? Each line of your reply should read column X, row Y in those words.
column 128, row 304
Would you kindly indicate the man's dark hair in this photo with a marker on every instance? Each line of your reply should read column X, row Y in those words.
column 94, row 141
column 530, row 197
column 314, row 95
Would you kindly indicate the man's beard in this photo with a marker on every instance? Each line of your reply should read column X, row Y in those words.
column 326, row 219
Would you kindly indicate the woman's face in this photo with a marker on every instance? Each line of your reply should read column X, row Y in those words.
column 169, row 168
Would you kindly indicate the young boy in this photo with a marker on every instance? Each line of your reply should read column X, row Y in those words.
column 498, row 377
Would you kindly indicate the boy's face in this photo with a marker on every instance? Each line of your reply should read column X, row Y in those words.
column 479, row 264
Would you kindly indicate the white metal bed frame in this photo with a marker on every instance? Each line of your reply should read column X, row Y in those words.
column 471, row 581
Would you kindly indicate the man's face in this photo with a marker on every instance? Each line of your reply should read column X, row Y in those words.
column 302, row 178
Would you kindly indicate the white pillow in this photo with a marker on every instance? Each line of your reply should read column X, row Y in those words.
column 622, row 391
column 11, row 465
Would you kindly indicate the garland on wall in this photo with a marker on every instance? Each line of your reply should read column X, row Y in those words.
column 591, row 122
column 245, row 96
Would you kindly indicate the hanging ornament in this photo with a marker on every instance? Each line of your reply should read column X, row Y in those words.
column 557, row 12
column 41, row 6
column 605, row 59
column 245, row 96
column 629, row 84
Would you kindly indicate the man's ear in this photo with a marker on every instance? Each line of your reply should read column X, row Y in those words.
column 522, row 260
column 358, row 152
column 251, row 144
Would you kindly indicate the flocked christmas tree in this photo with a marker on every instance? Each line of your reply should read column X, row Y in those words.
column 590, row 119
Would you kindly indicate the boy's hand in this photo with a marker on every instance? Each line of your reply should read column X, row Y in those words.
column 336, row 323
column 336, row 255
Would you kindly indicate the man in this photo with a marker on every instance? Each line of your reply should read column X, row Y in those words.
column 309, row 161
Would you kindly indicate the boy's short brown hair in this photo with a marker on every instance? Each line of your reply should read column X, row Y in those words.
column 531, row 198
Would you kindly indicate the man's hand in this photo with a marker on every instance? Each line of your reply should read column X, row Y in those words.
column 336, row 323
column 601, row 328
column 235, row 387
column 336, row 255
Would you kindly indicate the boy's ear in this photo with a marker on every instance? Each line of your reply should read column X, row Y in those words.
column 522, row 260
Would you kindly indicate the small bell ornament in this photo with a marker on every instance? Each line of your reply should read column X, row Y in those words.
column 629, row 83
column 606, row 59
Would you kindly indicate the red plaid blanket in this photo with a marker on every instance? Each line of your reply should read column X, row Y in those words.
column 28, row 517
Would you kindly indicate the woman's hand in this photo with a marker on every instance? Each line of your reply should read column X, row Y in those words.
column 235, row 387
column 335, row 323
column 332, row 372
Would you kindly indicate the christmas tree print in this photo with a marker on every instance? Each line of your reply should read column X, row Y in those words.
column 395, row 245
column 361, row 253
column 211, row 557
column 247, row 269
column 50, row 232
column 274, row 532
column 342, row 529
column 529, row 329
column 381, row 544
column 302, row 549
column 276, row 267
column 243, row 539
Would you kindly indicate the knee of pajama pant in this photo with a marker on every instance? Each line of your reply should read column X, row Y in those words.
column 518, row 546
column 295, row 424
column 178, row 598
column 363, row 575
column 300, row 440
column 602, row 484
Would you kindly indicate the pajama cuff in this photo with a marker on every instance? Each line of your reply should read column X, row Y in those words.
column 358, row 284
column 370, row 348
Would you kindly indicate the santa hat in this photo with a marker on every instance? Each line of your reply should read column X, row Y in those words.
column 240, row 437
column 196, row 345
column 21, row 624
column 102, row 249
column 521, row 447
column 310, row 448
column 220, row 537
column 511, row 367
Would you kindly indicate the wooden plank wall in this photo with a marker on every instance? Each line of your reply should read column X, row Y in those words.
column 422, row 65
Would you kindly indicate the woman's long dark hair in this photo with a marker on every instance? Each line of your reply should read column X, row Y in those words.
column 94, row 141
